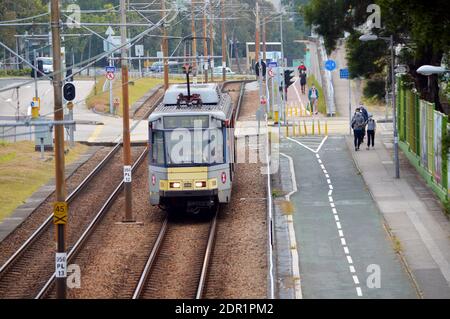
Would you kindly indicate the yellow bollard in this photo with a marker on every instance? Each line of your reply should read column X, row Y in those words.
column 296, row 111
column 326, row 128
column 275, row 116
column 299, row 128
column 304, row 126
column 313, row 129
column 318, row 125
column 293, row 130
column 287, row 130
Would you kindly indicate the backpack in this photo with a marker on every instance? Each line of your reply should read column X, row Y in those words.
column 359, row 122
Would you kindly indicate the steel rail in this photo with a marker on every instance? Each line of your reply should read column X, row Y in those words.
column 207, row 257
column 90, row 229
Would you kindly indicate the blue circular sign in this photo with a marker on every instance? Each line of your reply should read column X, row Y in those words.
column 330, row 65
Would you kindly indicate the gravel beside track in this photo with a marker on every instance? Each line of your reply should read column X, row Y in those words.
column 144, row 109
column 238, row 266
column 113, row 258
column 11, row 243
column 36, row 265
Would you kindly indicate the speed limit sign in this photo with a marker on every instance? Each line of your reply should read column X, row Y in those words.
column 110, row 75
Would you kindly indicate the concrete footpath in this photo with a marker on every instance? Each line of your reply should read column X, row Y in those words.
column 412, row 213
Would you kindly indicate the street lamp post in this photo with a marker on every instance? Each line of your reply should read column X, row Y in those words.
column 373, row 37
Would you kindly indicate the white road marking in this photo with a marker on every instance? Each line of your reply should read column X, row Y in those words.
column 318, row 156
column 325, row 171
column 346, row 250
column 321, row 165
column 328, row 181
column 349, row 259
column 327, row 176
column 332, row 205
column 331, row 186
column 330, row 192
column 352, row 269
column 341, row 233
column 343, row 242
column 336, row 217
column 356, row 280
column 338, row 224
column 334, row 211
column 358, row 291
column 292, row 237
column 330, row 199
column 320, row 161
column 308, row 148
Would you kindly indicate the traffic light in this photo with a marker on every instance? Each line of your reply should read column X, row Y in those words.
column 69, row 91
column 288, row 78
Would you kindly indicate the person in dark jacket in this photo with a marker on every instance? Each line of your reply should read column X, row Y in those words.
column 371, row 128
column 303, row 81
column 365, row 114
column 357, row 125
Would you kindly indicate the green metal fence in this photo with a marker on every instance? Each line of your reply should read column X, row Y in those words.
column 423, row 137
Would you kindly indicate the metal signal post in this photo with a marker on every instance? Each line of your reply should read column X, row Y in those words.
column 165, row 47
column 224, row 50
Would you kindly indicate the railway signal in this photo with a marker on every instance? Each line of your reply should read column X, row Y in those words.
column 69, row 91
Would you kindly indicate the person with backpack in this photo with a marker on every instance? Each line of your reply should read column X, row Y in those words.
column 358, row 125
column 371, row 127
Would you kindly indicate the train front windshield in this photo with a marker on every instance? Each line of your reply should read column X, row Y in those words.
column 187, row 147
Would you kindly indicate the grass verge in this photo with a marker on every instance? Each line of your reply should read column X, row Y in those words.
column 22, row 172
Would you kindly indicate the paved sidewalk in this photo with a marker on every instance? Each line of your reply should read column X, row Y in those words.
column 413, row 214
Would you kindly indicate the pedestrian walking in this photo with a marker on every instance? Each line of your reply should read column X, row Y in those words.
column 371, row 128
column 313, row 96
column 303, row 81
column 302, row 67
column 366, row 118
column 357, row 125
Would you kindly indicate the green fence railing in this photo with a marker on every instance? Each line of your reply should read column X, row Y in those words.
column 423, row 136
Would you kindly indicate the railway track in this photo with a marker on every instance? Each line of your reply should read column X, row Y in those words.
column 82, row 240
column 193, row 252
column 20, row 275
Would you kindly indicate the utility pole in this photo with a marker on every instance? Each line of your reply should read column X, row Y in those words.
column 264, row 40
column 224, row 49
column 211, row 41
column 126, row 117
column 194, row 40
column 165, row 46
column 35, row 63
column 60, row 206
column 257, row 34
column 205, row 46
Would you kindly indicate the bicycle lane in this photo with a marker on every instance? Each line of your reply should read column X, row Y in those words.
column 344, row 250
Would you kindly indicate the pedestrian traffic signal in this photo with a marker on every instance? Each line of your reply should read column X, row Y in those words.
column 288, row 78
column 263, row 67
column 69, row 91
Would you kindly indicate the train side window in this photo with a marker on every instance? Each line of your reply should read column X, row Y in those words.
column 158, row 148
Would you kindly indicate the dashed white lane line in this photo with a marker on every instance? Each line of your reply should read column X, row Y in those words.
column 335, row 213
column 292, row 237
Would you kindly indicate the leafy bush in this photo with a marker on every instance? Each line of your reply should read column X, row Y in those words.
column 375, row 88
column 23, row 72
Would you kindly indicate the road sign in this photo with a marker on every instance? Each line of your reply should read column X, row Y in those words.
column 344, row 74
column 114, row 42
column 127, row 174
column 109, row 31
column 60, row 213
column 139, row 50
column 110, row 76
column 330, row 65
column 272, row 64
column 111, row 69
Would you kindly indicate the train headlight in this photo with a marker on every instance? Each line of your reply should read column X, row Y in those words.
column 175, row 185
column 224, row 177
column 200, row 184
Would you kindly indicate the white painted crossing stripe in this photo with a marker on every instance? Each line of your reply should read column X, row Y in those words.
column 330, row 192
column 346, row 250
column 356, row 280
column 328, row 181
column 320, row 161
column 349, row 259
column 325, row 171
column 338, row 224
column 341, row 233
column 343, row 242
column 352, row 269
column 336, row 217
column 321, row 165
column 334, row 211
column 327, row 176
column 318, row 156
column 330, row 199
column 331, row 186
column 332, row 205
column 358, row 291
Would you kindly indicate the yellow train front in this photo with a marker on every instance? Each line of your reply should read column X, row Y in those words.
column 191, row 148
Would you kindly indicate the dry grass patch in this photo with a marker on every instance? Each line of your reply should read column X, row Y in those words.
column 22, row 172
